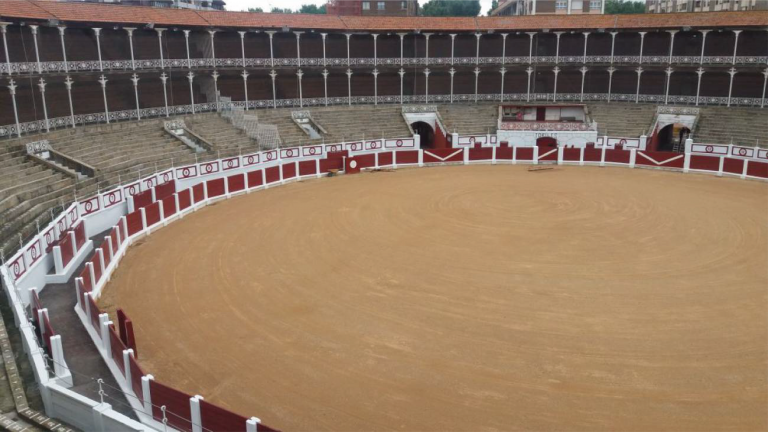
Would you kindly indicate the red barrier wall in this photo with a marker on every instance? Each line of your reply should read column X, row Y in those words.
column 142, row 199
column 153, row 213
column 198, row 192
column 524, row 153
column 757, row 169
column 272, row 174
column 236, row 183
column 663, row 158
column 165, row 190
column 117, row 349
column 96, row 261
column 80, row 238
column 307, row 168
column 169, row 206
column 95, row 312
column 504, row 153
column 592, row 154
column 385, row 159
column 87, row 282
column 105, row 252
column 366, row 161
column 480, row 153
column 407, row 157
column 705, row 163
column 215, row 187
column 733, row 166
column 185, row 199
column 289, row 171
column 254, row 179
column 571, row 154
column 440, row 140
column 136, row 374
column 176, row 403
column 616, row 156
column 329, row 164
column 437, row 155
column 219, row 419
column 134, row 222
column 66, row 250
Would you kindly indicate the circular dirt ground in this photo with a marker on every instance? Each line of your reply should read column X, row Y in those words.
column 466, row 298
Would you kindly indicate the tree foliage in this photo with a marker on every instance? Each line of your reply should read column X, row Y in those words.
column 312, row 9
column 281, row 10
column 451, row 8
column 256, row 9
column 624, row 7
column 494, row 5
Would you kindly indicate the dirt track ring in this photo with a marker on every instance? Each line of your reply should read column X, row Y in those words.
column 480, row 297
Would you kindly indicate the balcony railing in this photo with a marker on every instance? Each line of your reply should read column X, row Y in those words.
column 208, row 63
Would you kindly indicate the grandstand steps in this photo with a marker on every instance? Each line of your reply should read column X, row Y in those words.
column 356, row 122
column 723, row 125
column 621, row 119
column 474, row 119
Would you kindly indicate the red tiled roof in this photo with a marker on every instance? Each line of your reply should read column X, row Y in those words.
column 96, row 13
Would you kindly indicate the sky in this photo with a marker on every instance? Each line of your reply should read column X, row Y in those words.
column 241, row 5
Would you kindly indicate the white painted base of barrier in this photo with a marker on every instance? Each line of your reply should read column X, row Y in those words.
column 70, row 268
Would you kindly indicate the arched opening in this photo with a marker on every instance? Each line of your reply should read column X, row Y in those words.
column 672, row 137
column 425, row 133
column 546, row 144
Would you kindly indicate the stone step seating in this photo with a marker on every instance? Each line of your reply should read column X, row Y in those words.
column 362, row 121
column 742, row 126
column 468, row 119
column 221, row 133
column 622, row 119
column 291, row 135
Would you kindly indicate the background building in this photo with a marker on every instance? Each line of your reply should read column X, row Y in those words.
column 545, row 7
column 373, row 7
column 179, row 4
column 671, row 6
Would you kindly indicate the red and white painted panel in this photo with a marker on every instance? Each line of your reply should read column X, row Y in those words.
column 443, row 155
column 251, row 159
column 406, row 143
column 165, row 176
column 230, row 163
column 312, row 151
column 356, row 146
column 210, row 167
column 290, row 153
column 472, row 140
column 186, row 172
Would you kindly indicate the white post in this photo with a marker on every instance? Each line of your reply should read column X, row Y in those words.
column 97, row 31
column 699, row 72
column 586, row 41
column 194, row 411
column 613, row 42
column 504, row 48
column 146, row 395
column 735, row 45
column 453, row 44
column 703, row 44
column 273, row 75
column 557, row 47
column 324, row 35
column 215, row 76
column 503, row 71
column 68, row 83
column 325, row 83
column 375, row 86
column 245, row 87
column 191, row 77
column 402, row 37
column 426, row 48
column 671, row 44
column 252, row 424
column 349, row 86
column 732, row 71
column 348, row 35
column 765, row 84
column 583, row 79
column 533, row 9
column 375, row 49
column 401, row 72
column 451, row 71
column 130, row 45
column 135, row 80
column 556, row 70
column 426, row 85
column 103, row 81
column 642, row 41
column 186, row 40
column 298, row 48
column 41, row 84
column 477, row 49
column 300, row 74
column 12, row 89
column 33, row 28
column 4, row 30
column 213, row 48
column 59, row 365
column 160, row 44
column 127, row 353
column 639, row 71
column 242, row 46
column 271, row 48
column 164, row 78
column 531, row 35
column 669, row 71
column 477, row 77
column 611, row 70
column 529, row 70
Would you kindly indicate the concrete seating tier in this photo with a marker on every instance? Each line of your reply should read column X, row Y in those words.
column 361, row 121
column 220, row 132
column 743, row 126
column 622, row 119
column 469, row 119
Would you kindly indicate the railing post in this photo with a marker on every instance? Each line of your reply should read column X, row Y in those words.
column 147, row 396
column 632, row 157
column 105, row 340
column 127, row 353
column 194, row 410
column 252, row 424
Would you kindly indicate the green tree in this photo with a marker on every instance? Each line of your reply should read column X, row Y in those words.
column 256, row 9
column 451, row 8
column 312, row 9
column 624, row 7
column 281, row 11
column 494, row 5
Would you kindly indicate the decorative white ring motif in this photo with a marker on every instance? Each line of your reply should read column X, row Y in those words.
column 742, row 152
column 185, row 172
column 353, row 164
column 709, row 149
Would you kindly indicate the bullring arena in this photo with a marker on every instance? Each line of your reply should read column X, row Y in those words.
column 484, row 296
column 221, row 221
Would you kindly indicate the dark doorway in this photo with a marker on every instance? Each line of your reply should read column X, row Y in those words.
column 672, row 137
column 426, row 134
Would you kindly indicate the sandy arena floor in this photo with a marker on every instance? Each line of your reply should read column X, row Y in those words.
column 466, row 299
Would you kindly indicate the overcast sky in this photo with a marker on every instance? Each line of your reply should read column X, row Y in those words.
column 241, row 5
